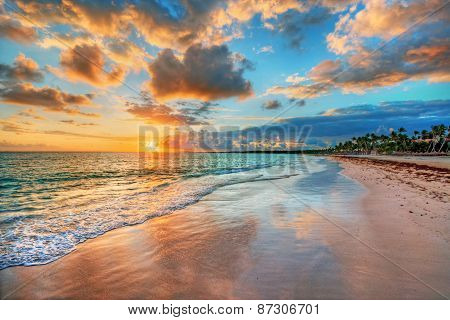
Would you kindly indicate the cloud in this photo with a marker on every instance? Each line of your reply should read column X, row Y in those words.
column 414, row 59
column 9, row 146
column 78, row 124
column 297, row 102
column 23, row 68
column 165, row 24
column 179, row 26
column 121, row 51
column 84, row 135
column 244, row 10
column 264, row 49
column 271, row 104
column 50, row 99
column 12, row 127
column 127, row 53
column 95, row 17
column 336, row 5
column 66, row 40
column 292, row 24
column 298, row 91
column 203, row 73
column 340, row 124
column 157, row 113
column 86, row 63
column 196, row 108
column 295, row 78
column 30, row 113
column 13, row 29
column 383, row 19
column 423, row 54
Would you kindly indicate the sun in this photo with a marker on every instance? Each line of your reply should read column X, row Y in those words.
column 152, row 146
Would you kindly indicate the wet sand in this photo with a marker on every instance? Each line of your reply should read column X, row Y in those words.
column 439, row 162
column 320, row 236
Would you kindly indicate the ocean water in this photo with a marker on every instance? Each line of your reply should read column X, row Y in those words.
column 50, row 202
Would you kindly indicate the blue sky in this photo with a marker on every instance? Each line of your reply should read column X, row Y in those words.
column 84, row 75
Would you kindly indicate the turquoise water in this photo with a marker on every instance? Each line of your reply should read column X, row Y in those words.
column 53, row 201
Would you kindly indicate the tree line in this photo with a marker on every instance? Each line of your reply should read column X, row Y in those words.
column 435, row 140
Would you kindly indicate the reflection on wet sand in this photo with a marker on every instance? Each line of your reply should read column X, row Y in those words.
column 252, row 246
column 178, row 256
column 246, row 241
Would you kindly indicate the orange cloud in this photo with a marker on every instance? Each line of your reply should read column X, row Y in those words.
column 298, row 91
column 382, row 19
column 244, row 10
column 337, row 5
column 94, row 17
column 210, row 22
column 78, row 124
column 13, row 127
column 425, row 54
column 30, row 113
column 9, row 146
column 203, row 73
column 419, row 54
column 325, row 70
column 127, row 53
column 23, row 68
column 66, row 40
column 121, row 51
column 158, row 113
column 396, row 63
column 14, row 30
column 50, row 99
column 86, row 63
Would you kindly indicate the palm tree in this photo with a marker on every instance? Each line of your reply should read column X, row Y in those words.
column 441, row 129
column 398, row 141
column 437, row 131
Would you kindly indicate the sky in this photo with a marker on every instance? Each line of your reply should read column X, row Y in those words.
column 90, row 75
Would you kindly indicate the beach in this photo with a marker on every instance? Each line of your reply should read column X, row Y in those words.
column 353, row 229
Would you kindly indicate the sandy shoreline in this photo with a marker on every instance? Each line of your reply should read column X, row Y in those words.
column 414, row 198
column 296, row 238
column 419, row 192
column 438, row 162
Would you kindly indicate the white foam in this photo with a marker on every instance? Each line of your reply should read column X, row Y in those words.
column 52, row 235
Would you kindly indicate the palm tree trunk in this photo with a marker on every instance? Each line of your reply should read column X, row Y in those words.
column 443, row 143
column 429, row 148
column 434, row 146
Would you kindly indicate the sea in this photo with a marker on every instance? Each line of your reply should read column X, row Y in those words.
column 52, row 201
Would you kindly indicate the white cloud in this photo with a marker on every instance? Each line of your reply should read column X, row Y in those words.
column 264, row 49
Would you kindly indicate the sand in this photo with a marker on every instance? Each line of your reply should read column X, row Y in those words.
column 324, row 236
column 408, row 210
column 418, row 191
column 439, row 162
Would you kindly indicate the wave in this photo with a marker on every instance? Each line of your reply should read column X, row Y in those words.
column 29, row 241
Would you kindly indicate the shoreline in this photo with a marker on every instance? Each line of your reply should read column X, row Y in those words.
column 435, row 162
column 240, row 242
